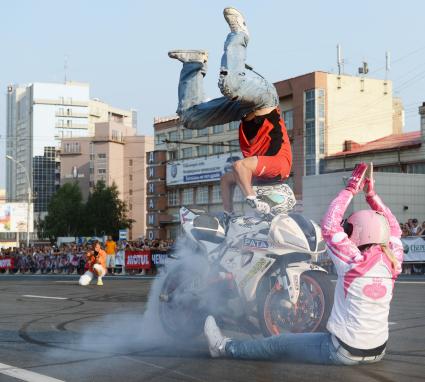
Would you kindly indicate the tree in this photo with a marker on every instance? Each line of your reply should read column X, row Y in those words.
column 64, row 213
column 105, row 212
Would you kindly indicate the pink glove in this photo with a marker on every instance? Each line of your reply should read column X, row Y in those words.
column 369, row 189
column 357, row 179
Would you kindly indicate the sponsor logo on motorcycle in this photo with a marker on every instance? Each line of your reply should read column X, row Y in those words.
column 255, row 243
column 258, row 267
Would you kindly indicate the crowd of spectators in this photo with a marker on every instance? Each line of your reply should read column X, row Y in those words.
column 412, row 228
column 69, row 258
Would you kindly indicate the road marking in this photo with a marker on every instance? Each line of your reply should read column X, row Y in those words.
column 66, row 282
column 49, row 297
column 25, row 375
column 392, row 323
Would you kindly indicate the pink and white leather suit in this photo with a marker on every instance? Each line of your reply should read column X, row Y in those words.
column 365, row 279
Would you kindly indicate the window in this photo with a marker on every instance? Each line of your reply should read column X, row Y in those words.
column 321, row 137
column 130, row 191
column 187, row 134
column 172, row 155
column 188, row 196
column 187, row 152
column 238, row 196
column 160, row 139
column 203, row 132
column 202, row 150
column 101, row 171
column 218, row 149
column 173, row 135
column 309, row 104
column 216, row 194
column 130, row 162
column 218, row 129
column 202, row 195
column 310, row 138
column 173, row 197
column 101, row 155
column 131, row 177
column 234, row 145
column 310, row 166
column 416, row 168
column 234, row 125
column 288, row 118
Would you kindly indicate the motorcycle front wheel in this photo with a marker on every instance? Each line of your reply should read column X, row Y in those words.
column 311, row 312
column 180, row 308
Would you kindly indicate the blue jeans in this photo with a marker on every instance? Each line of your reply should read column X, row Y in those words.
column 243, row 90
column 318, row 348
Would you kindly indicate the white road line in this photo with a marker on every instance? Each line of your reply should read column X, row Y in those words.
column 49, row 297
column 66, row 282
column 392, row 323
column 25, row 375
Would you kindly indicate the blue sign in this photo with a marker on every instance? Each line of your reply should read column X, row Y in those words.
column 123, row 234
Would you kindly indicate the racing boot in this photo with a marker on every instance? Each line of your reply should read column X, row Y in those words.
column 260, row 206
column 99, row 281
column 185, row 55
column 235, row 20
column 216, row 341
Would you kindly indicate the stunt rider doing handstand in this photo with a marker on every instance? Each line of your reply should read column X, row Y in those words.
column 247, row 97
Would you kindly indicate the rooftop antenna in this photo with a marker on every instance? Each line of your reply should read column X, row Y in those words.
column 340, row 60
column 65, row 67
column 387, row 63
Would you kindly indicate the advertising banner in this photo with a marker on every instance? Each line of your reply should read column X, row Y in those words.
column 13, row 217
column 6, row 263
column 414, row 249
column 202, row 169
column 139, row 259
column 159, row 257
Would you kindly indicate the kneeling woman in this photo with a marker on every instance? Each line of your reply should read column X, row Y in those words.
column 96, row 259
column 367, row 253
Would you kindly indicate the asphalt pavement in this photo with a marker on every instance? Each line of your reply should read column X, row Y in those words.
column 51, row 329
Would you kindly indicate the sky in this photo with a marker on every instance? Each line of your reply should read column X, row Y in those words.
column 120, row 46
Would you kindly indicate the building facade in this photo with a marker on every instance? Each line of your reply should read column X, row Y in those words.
column 39, row 115
column 322, row 111
column 115, row 154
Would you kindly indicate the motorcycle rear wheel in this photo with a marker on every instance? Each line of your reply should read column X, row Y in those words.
column 277, row 315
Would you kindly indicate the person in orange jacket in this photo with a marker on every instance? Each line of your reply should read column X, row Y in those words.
column 96, row 259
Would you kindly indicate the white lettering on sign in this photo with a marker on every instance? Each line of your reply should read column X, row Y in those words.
column 151, row 203
column 159, row 258
column 138, row 260
column 151, row 157
column 151, row 187
column 150, row 235
column 151, row 172
column 151, row 219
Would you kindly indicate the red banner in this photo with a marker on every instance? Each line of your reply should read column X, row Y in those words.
column 6, row 263
column 138, row 259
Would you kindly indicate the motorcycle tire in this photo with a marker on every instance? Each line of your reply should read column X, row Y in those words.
column 277, row 315
column 179, row 309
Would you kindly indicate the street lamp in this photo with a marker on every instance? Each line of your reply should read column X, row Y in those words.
column 29, row 196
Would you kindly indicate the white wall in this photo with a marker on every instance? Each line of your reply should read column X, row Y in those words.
column 396, row 190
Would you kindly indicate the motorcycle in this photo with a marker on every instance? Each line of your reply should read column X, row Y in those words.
column 261, row 273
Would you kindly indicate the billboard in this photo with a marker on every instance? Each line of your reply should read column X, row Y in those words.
column 13, row 217
column 202, row 169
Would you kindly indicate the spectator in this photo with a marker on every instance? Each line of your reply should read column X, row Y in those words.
column 111, row 251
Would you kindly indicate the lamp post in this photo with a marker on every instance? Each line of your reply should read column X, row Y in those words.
column 29, row 196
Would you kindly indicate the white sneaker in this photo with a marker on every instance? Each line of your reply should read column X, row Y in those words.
column 235, row 20
column 216, row 341
column 189, row 55
column 261, row 207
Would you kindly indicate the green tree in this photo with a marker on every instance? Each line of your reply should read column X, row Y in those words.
column 105, row 212
column 64, row 213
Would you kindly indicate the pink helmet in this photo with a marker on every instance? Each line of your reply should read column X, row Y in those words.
column 367, row 227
